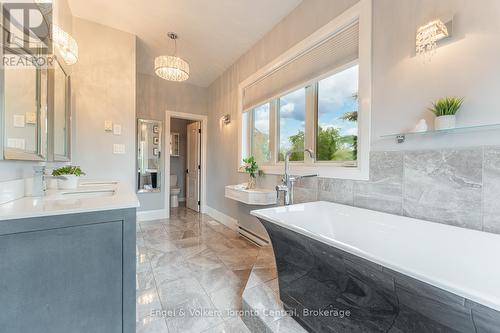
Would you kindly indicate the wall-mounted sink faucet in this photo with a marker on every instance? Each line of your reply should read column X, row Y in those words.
column 288, row 181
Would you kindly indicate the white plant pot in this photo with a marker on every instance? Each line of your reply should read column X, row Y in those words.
column 445, row 122
column 67, row 182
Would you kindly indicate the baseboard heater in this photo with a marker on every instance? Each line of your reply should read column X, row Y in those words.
column 252, row 237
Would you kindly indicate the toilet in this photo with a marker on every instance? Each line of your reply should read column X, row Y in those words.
column 174, row 192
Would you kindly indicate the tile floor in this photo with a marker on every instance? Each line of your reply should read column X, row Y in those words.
column 191, row 263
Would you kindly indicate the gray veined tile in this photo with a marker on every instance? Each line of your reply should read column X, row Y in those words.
column 159, row 258
column 159, row 242
column 491, row 181
column 253, row 322
column 237, row 262
column 151, row 325
column 204, row 263
column 216, row 279
column 383, row 192
column 234, row 325
column 147, row 302
column 164, row 274
column 145, row 280
column 444, row 186
column 286, row 325
column 194, row 316
column 180, row 291
column 336, row 190
column 262, row 299
column 227, row 300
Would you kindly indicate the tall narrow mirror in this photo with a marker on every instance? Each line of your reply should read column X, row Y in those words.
column 148, row 155
column 61, row 116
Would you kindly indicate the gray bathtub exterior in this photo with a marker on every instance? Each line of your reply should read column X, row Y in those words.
column 331, row 283
column 68, row 273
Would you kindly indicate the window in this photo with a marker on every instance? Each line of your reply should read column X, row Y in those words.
column 260, row 133
column 292, row 117
column 337, row 117
column 317, row 95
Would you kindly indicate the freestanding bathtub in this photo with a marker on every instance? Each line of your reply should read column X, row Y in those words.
column 347, row 269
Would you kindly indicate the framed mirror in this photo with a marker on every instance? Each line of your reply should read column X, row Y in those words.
column 25, row 113
column 149, row 155
column 23, row 96
column 60, row 115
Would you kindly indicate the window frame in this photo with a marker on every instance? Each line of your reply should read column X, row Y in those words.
column 361, row 12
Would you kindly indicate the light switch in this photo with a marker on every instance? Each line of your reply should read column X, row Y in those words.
column 11, row 143
column 19, row 120
column 118, row 148
column 21, row 144
column 30, row 118
column 117, row 129
column 108, row 125
column 16, row 143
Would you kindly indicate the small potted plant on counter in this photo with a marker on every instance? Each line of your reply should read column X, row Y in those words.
column 445, row 110
column 252, row 169
column 67, row 176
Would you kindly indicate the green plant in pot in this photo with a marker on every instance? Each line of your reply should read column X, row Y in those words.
column 67, row 176
column 252, row 169
column 445, row 110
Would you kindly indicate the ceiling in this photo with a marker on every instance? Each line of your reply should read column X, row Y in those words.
column 213, row 34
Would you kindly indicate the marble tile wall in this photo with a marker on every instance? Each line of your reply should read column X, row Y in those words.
column 458, row 187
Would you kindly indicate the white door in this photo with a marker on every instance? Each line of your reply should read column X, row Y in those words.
column 193, row 166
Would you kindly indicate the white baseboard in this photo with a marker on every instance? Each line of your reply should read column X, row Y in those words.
column 227, row 220
column 147, row 215
column 232, row 223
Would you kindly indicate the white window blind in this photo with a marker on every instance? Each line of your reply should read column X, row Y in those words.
column 333, row 52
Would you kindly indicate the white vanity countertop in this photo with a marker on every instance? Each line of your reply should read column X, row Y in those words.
column 88, row 197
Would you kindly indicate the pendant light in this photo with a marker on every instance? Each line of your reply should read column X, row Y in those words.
column 171, row 67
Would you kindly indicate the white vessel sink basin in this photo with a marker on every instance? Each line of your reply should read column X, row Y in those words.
column 257, row 196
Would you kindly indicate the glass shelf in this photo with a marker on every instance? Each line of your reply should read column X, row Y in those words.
column 401, row 137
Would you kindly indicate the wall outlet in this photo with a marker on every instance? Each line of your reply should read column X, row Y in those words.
column 108, row 125
column 30, row 118
column 117, row 129
column 118, row 148
column 19, row 120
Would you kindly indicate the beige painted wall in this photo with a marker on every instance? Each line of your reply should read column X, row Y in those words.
column 154, row 97
column 104, row 88
column 402, row 86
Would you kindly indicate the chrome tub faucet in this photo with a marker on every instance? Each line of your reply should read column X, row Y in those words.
column 288, row 181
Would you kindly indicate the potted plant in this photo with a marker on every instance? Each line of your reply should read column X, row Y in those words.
column 445, row 110
column 67, row 176
column 252, row 169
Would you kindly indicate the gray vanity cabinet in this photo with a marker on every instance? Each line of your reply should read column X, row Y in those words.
column 68, row 273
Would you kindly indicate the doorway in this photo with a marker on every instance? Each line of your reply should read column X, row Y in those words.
column 185, row 161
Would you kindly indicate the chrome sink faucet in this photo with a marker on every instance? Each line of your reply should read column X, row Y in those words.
column 39, row 186
column 288, row 181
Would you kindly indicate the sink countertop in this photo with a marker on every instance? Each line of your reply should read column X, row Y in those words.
column 86, row 198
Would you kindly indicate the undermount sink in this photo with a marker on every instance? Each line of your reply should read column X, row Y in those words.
column 81, row 194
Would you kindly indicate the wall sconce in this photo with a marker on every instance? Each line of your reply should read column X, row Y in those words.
column 226, row 119
column 65, row 44
column 428, row 35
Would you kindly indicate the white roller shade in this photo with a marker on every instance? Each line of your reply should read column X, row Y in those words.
column 335, row 51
